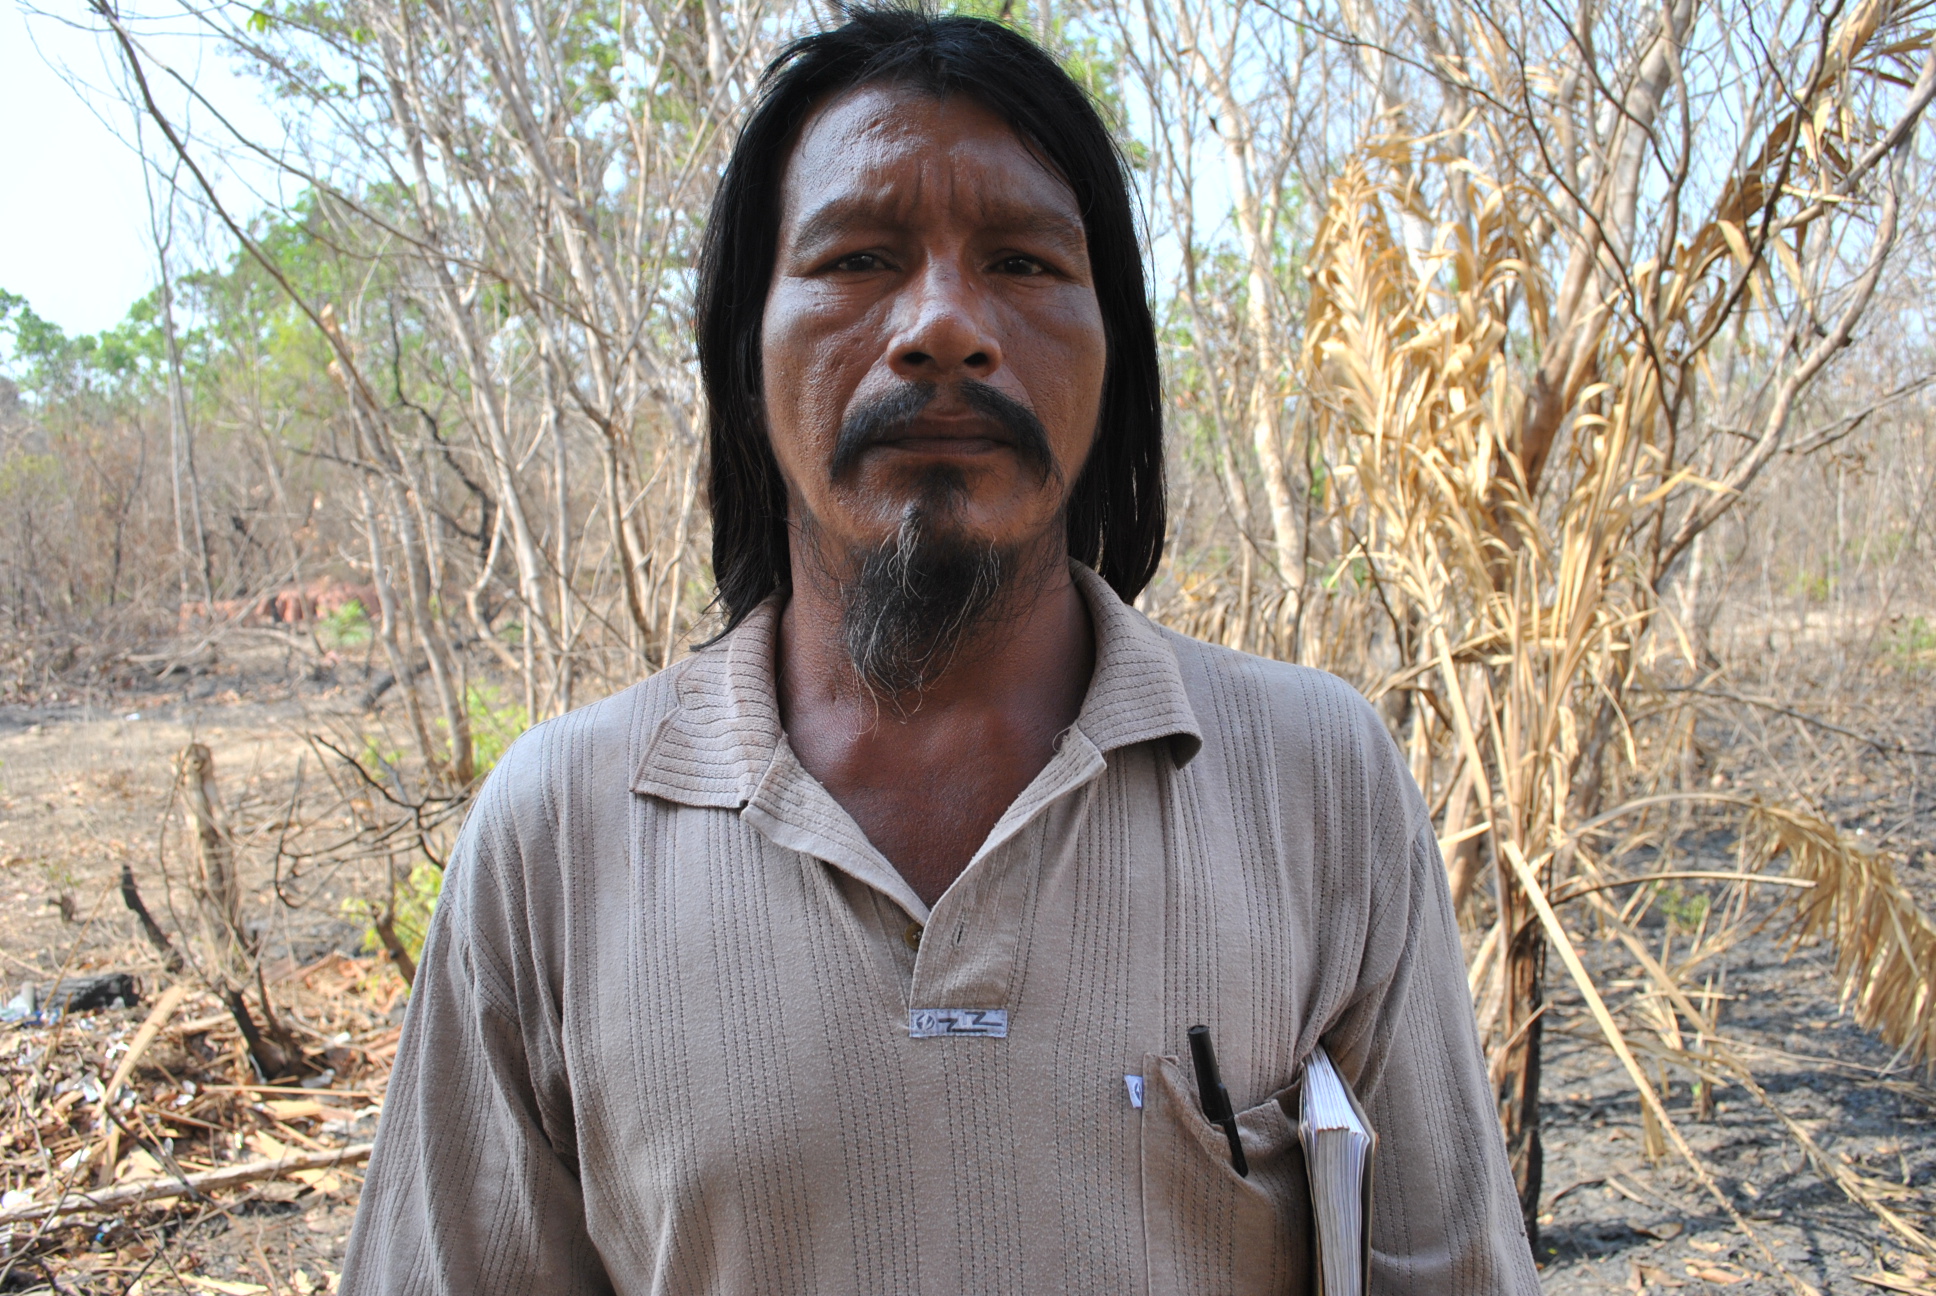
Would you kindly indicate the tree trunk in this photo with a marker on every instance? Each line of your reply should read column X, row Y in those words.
column 1522, row 1023
column 220, row 890
column 181, row 444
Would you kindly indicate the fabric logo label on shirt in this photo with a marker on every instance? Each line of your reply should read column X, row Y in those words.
column 932, row 1023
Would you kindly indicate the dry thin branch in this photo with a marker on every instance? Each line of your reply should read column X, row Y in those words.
column 1719, row 1051
column 1891, row 746
column 1617, row 1041
column 202, row 1181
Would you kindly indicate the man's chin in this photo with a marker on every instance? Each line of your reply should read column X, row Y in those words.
column 989, row 502
column 914, row 600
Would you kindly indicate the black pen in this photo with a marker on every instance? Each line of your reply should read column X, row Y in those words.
column 1214, row 1097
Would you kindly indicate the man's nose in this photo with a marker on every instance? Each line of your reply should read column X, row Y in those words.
column 944, row 333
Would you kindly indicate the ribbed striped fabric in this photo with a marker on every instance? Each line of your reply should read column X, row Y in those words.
column 660, row 1037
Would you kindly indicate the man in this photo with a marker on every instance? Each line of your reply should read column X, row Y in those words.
column 856, row 952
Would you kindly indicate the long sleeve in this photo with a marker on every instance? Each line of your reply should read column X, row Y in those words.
column 1445, row 1216
column 472, row 1187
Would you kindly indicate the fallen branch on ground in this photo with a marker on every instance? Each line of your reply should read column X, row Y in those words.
column 1888, row 746
column 129, row 1194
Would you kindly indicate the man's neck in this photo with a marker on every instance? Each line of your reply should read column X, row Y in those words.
column 927, row 775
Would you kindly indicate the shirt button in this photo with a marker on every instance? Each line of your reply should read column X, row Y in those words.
column 912, row 936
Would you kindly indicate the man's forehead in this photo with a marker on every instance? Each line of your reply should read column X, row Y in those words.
column 880, row 151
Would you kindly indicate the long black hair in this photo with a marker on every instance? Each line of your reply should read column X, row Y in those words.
column 1116, row 509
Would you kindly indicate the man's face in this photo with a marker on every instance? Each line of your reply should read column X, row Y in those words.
column 932, row 343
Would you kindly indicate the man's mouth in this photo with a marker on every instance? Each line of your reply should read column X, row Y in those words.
column 916, row 418
column 945, row 434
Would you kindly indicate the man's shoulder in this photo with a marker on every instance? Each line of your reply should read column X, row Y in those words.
column 1313, row 730
column 1282, row 698
column 596, row 742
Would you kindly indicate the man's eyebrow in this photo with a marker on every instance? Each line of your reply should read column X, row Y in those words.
column 841, row 216
column 1042, row 221
column 831, row 220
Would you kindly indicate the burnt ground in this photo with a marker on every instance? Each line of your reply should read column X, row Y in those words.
column 1616, row 1217
column 85, row 782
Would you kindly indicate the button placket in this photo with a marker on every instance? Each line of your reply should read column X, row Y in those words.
column 967, row 952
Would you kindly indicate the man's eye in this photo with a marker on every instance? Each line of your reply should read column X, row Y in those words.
column 1020, row 265
column 859, row 262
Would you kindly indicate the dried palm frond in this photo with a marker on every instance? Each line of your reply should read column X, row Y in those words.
column 1528, row 875
column 1885, row 945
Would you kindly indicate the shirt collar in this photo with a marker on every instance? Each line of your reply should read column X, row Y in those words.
column 719, row 744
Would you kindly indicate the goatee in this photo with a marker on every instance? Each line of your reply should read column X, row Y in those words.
column 914, row 601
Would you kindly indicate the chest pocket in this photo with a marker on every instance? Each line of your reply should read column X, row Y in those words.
column 1207, row 1228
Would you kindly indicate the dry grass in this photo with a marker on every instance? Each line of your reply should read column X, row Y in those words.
column 1510, row 412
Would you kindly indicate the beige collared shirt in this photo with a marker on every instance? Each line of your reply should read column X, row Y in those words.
column 679, row 1028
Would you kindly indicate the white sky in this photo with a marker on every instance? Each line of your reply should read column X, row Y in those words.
column 74, row 232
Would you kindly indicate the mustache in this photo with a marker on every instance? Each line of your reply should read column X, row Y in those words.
column 889, row 416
